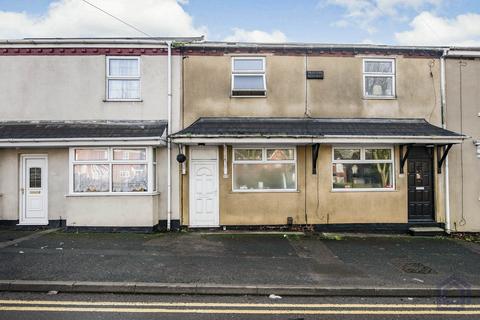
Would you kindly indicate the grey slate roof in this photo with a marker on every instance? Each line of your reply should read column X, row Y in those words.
column 80, row 129
column 316, row 127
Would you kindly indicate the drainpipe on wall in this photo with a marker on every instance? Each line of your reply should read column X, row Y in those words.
column 444, row 126
column 169, row 132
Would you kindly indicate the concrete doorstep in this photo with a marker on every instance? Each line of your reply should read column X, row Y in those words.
column 216, row 289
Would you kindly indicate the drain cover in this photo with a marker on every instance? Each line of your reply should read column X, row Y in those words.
column 415, row 267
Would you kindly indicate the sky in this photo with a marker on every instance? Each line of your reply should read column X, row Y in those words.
column 398, row 22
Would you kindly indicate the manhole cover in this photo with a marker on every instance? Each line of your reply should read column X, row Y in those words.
column 416, row 267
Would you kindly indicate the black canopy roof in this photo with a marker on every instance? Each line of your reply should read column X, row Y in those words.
column 17, row 130
column 312, row 127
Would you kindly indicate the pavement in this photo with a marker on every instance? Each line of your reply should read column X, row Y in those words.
column 233, row 263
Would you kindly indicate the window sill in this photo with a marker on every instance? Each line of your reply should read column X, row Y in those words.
column 112, row 194
column 123, row 100
column 234, row 97
column 379, row 98
column 264, row 191
column 353, row 190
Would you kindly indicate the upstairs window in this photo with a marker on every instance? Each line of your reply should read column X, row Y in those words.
column 248, row 76
column 123, row 78
column 379, row 78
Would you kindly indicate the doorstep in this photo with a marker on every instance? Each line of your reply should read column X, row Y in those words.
column 426, row 231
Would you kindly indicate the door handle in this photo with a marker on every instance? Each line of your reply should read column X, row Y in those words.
column 22, row 190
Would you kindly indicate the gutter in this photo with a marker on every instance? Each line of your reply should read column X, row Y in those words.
column 300, row 45
column 83, row 41
column 76, row 142
column 79, row 143
column 315, row 139
column 462, row 53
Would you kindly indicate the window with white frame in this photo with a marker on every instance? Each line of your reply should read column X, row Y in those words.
column 361, row 168
column 379, row 78
column 248, row 76
column 112, row 170
column 264, row 169
column 123, row 78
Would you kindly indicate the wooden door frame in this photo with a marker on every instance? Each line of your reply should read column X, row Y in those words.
column 22, row 187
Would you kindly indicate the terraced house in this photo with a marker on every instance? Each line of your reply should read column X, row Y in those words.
column 463, row 115
column 83, row 132
column 146, row 133
column 334, row 136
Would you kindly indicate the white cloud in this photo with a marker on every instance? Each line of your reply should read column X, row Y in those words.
column 367, row 41
column 74, row 18
column 363, row 13
column 256, row 36
column 429, row 29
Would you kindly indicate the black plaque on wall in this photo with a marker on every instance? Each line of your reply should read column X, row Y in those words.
column 315, row 75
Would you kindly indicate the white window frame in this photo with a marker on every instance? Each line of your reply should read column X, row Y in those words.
column 153, row 169
column 151, row 189
column 136, row 77
column 379, row 74
column 248, row 73
column 264, row 161
column 363, row 161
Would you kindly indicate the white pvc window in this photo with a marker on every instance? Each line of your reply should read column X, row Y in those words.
column 123, row 78
column 112, row 170
column 264, row 169
column 379, row 78
column 363, row 168
column 248, row 76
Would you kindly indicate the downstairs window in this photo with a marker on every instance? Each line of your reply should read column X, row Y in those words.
column 362, row 168
column 112, row 170
column 264, row 169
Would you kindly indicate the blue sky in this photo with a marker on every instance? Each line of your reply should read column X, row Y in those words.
column 330, row 21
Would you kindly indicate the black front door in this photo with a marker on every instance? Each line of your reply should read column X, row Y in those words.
column 420, row 185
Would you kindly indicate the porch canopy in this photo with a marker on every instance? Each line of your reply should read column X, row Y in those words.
column 315, row 131
column 80, row 133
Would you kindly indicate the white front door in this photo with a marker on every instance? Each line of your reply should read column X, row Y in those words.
column 204, row 187
column 34, row 190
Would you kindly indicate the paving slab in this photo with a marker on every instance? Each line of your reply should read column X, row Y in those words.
column 9, row 234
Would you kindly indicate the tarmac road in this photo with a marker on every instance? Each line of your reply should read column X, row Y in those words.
column 41, row 306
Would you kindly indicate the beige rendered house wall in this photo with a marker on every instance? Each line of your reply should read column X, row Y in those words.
column 314, row 202
column 340, row 94
column 463, row 115
column 289, row 94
